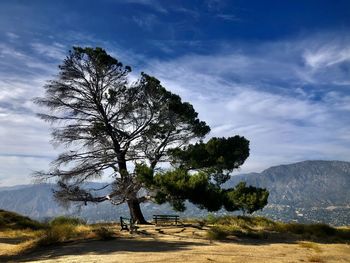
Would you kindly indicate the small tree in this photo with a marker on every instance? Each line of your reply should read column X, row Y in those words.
column 248, row 199
column 111, row 125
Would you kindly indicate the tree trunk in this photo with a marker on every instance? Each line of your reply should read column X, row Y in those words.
column 135, row 212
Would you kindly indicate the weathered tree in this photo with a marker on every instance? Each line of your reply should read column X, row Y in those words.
column 127, row 129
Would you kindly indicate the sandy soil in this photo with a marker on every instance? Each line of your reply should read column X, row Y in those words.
column 185, row 244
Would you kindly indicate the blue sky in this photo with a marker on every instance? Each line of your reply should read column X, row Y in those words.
column 276, row 72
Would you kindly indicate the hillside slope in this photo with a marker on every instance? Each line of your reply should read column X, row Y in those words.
column 310, row 191
column 304, row 184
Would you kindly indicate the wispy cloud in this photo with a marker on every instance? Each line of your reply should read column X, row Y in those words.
column 228, row 17
column 326, row 56
column 12, row 36
column 55, row 50
column 153, row 4
column 289, row 98
column 269, row 93
column 145, row 21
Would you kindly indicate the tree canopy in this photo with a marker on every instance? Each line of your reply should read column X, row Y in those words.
column 110, row 125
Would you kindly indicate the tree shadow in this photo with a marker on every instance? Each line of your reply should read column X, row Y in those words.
column 102, row 248
column 12, row 240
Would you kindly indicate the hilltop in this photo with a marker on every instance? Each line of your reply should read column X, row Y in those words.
column 219, row 239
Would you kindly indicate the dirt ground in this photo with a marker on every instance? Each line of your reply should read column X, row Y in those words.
column 184, row 244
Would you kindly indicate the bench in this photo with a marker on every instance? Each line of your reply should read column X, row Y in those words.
column 161, row 219
column 127, row 224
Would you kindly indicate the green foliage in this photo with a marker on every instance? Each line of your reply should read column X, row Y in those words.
column 12, row 220
column 248, row 199
column 218, row 156
column 144, row 174
column 178, row 185
column 212, row 163
column 210, row 219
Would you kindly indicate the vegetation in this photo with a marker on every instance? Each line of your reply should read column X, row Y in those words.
column 62, row 229
column 11, row 220
column 63, row 220
column 111, row 125
column 263, row 228
column 30, row 234
column 104, row 233
column 258, row 229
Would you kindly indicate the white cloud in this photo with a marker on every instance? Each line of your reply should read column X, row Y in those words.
column 12, row 36
column 228, row 17
column 145, row 21
column 55, row 50
column 289, row 98
column 326, row 56
column 289, row 111
column 154, row 4
column 16, row 169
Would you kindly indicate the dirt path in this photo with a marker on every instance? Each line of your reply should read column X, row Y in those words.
column 171, row 244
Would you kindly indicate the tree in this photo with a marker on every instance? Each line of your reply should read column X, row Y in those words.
column 248, row 199
column 127, row 129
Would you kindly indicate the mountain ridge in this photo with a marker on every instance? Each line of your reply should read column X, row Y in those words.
column 307, row 191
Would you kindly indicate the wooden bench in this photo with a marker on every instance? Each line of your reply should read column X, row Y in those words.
column 163, row 219
column 127, row 224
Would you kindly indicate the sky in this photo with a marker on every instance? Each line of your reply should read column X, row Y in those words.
column 275, row 72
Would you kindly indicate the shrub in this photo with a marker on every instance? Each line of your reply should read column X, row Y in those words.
column 343, row 233
column 211, row 219
column 104, row 233
column 321, row 230
column 58, row 233
column 62, row 229
column 293, row 228
column 63, row 220
column 217, row 233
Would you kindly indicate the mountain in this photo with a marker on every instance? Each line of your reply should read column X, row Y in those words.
column 37, row 202
column 316, row 191
column 304, row 184
column 309, row 191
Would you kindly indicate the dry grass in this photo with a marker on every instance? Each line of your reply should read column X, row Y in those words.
column 310, row 245
column 246, row 240
column 263, row 228
column 60, row 230
column 186, row 244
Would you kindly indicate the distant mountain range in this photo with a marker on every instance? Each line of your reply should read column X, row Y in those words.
column 309, row 191
column 304, row 184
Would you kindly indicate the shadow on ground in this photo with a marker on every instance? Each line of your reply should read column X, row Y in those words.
column 156, row 239
column 11, row 240
column 102, row 248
